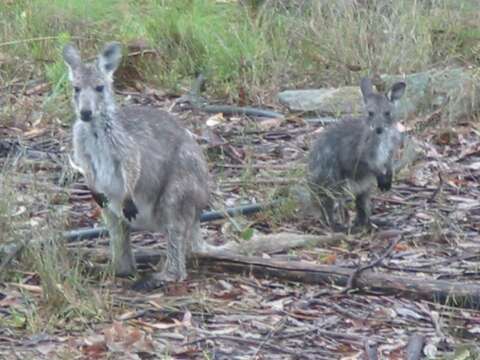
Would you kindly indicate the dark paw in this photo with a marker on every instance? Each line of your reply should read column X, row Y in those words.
column 148, row 283
column 339, row 227
column 100, row 199
column 382, row 223
column 129, row 210
column 385, row 181
column 361, row 228
column 361, row 225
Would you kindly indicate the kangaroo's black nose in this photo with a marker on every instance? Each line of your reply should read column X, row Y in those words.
column 86, row 115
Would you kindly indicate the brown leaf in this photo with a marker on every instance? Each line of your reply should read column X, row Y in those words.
column 177, row 289
column 95, row 347
column 447, row 137
column 330, row 259
column 127, row 339
column 133, row 336
column 401, row 247
column 96, row 213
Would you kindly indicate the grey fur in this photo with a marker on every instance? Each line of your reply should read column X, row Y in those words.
column 356, row 154
column 150, row 169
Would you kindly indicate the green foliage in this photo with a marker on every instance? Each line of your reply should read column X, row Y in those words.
column 247, row 234
column 245, row 50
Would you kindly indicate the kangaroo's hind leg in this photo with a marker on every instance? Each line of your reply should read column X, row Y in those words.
column 122, row 257
column 180, row 219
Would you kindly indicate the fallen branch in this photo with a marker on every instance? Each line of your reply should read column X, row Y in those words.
column 455, row 293
column 459, row 294
column 281, row 242
column 92, row 233
column 352, row 279
column 238, row 110
column 196, row 102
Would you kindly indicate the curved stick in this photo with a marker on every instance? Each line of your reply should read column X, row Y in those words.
column 199, row 103
column 239, row 110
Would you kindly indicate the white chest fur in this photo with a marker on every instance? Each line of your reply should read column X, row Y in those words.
column 93, row 153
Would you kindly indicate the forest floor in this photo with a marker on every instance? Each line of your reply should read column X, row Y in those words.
column 58, row 300
column 56, row 309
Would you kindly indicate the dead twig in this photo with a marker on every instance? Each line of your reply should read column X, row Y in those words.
column 376, row 262
column 438, row 189
column 269, row 337
column 252, row 342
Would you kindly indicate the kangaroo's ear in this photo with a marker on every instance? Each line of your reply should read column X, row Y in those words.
column 367, row 88
column 72, row 58
column 109, row 58
column 396, row 91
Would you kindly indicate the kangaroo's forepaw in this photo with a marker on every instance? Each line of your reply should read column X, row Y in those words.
column 337, row 227
column 100, row 199
column 360, row 226
column 385, row 181
column 147, row 284
column 382, row 223
column 129, row 209
column 153, row 281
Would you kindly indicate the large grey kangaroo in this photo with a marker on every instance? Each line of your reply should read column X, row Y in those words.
column 144, row 169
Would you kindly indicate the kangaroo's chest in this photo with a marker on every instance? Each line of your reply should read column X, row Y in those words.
column 106, row 169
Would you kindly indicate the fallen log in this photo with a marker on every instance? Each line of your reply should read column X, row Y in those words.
column 460, row 294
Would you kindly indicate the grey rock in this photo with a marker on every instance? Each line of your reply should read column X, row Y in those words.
column 327, row 102
column 456, row 90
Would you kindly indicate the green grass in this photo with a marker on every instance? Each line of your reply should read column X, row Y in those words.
column 247, row 52
column 67, row 298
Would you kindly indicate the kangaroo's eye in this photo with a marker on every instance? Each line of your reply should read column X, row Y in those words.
column 387, row 114
column 371, row 114
column 76, row 89
column 379, row 130
column 99, row 88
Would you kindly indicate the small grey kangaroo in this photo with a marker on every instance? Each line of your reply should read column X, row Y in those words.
column 356, row 154
column 144, row 169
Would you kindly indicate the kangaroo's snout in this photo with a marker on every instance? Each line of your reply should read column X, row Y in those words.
column 86, row 115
